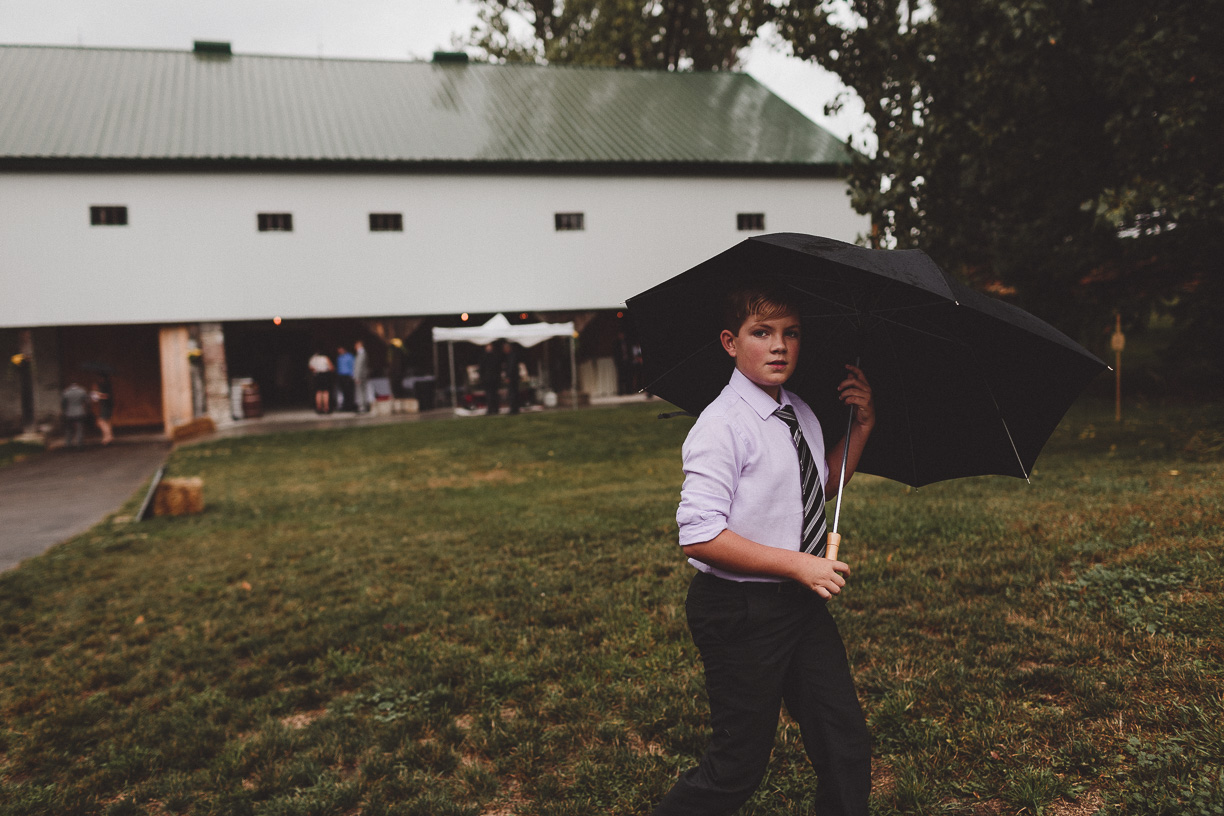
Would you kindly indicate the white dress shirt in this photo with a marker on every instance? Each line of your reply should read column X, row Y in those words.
column 741, row 472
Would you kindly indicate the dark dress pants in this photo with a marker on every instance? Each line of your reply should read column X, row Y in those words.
column 762, row 645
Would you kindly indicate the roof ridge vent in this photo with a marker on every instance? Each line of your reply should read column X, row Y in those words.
column 211, row 48
column 456, row 57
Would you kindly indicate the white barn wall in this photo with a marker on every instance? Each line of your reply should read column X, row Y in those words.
column 475, row 243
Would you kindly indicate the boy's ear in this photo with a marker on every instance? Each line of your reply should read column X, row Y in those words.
column 728, row 341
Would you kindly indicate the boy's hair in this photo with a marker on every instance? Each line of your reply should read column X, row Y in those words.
column 766, row 301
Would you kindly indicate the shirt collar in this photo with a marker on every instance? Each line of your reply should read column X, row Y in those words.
column 757, row 399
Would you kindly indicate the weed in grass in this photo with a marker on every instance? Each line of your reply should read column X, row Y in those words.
column 914, row 792
column 1167, row 779
column 1136, row 597
column 387, row 705
column 1033, row 790
column 1079, row 756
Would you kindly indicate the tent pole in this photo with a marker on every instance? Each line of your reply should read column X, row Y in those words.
column 573, row 374
column 545, row 366
column 435, row 362
column 450, row 346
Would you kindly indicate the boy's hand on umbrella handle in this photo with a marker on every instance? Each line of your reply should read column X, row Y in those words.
column 856, row 391
column 822, row 575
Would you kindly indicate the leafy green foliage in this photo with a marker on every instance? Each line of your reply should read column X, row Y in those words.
column 668, row 34
column 1063, row 152
column 876, row 48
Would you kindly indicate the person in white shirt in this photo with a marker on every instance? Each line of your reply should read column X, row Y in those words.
column 751, row 521
column 361, row 377
column 321, row 377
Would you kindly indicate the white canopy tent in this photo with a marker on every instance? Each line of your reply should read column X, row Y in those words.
column 499, row 328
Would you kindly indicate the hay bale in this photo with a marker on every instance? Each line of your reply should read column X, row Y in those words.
column 179, row 496
column 407, row 405
column 196, row 427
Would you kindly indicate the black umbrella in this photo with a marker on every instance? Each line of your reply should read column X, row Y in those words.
column 965, row 385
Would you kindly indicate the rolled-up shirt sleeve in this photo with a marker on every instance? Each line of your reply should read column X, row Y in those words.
column 713, row 454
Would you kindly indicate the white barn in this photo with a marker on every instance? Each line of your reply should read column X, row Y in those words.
column 157, row 202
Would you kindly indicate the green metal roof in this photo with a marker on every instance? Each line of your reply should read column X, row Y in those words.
column 92, row 104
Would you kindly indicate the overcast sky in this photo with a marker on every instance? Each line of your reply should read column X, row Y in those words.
column 383, row 29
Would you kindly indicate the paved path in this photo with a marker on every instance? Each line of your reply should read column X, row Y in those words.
column 62, row 493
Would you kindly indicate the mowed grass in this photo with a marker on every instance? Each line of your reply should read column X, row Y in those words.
column 486, row 617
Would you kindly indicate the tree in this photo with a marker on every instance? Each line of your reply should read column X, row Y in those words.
column 666, row 34
column 1062, row 151
column 875, row 47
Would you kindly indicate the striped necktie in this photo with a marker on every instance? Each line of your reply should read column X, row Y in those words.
column 814, row 523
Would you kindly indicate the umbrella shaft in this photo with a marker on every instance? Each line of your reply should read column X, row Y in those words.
column 841, row 480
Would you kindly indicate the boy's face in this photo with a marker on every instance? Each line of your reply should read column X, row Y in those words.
column 766, row 349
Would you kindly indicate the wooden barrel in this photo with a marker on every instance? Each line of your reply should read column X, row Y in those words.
column 252, row 403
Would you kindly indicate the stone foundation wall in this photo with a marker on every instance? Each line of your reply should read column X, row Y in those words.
column 216, row 374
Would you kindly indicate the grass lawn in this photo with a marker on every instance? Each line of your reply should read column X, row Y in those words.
column 486, row 617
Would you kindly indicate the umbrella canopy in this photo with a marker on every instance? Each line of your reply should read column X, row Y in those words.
column 965, row 385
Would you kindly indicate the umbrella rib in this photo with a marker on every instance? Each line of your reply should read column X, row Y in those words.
column 655, row 381
column 881, row 315
column 908, row 326
column 1006, row 429
column 876, row 291
column 844, row 307
column 985, row 380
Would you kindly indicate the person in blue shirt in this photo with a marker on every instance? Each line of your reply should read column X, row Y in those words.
column 345, row 363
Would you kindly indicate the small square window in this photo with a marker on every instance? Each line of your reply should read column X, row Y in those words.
column 569, row 221
column 276, row 222
column 108, row 216
column 750, row 221
column 386, row 222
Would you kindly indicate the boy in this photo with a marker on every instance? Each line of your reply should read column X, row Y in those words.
column 751, row 503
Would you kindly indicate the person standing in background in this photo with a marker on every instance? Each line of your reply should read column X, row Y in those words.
column 75, row 406
column 344, row 373
column 513, row 357
column 321, row 379
column 490, row 376
column 104, row 397
column 361, row 376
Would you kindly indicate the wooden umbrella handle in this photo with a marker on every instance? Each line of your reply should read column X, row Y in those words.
column 831, row 547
